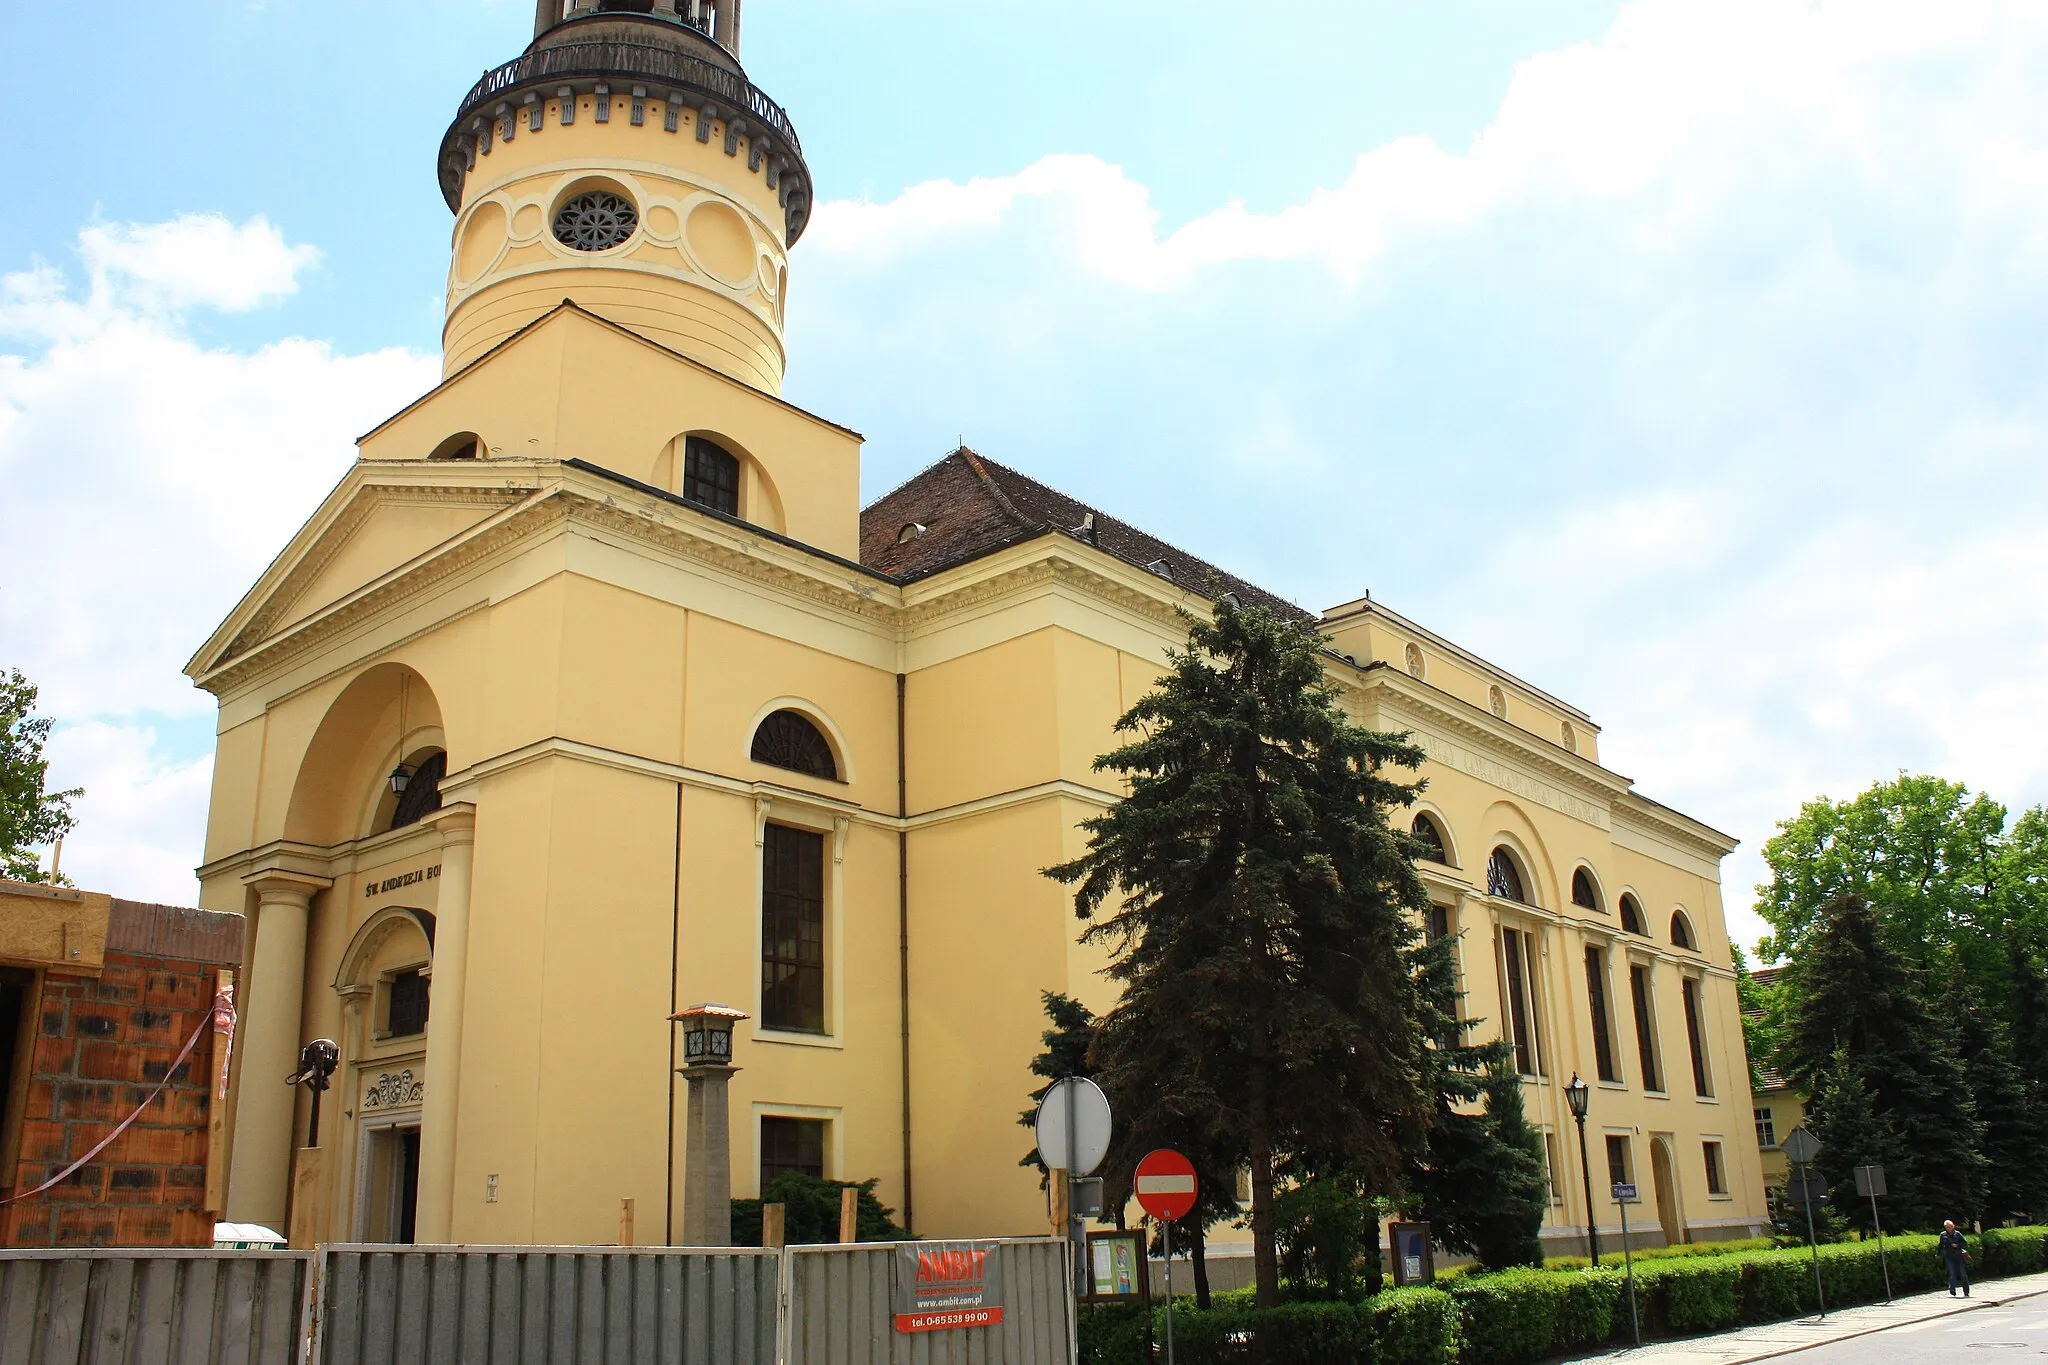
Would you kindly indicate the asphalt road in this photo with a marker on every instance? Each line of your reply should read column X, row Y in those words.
column 2015, row 1332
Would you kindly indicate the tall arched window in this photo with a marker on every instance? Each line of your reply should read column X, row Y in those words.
column 422, row 794
column 788, row 740
column 1503, row 878
column 711, row 476
column 1432, row 839
column 1681, row 931
column 1583, row 893
column 1632, row 916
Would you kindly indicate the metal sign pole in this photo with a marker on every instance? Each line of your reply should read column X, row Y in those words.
column 1166, row 1227
column 1806, row 1197
column 1628, row 1262
column 1878, row 1223
column 1080, row 1261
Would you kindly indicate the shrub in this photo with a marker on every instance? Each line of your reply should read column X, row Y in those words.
column 1413, row 1326
column 1692, row 1293
column 1111, row 1334
column 1508, row 1316
column 2011, row 1251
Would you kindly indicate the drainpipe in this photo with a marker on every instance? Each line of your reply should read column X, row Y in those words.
column 903, row 943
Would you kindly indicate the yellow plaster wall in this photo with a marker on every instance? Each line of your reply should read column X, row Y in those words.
column 399, row 530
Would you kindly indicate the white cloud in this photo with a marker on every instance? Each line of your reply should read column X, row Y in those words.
column 150, row 479
column 142, row 820
column 1708, row 387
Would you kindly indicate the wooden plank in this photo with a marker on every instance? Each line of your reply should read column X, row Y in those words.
column 644, row 1342
column 156, row 1309
column 534, row 1309
column 506, row 1319
column 281, row 1289
column 592, row 1316
column 64, row 1313
column 561, row 1339
column 409, row 1317
column 341, row 1325
column 113, row 1308
column 234, row 1339
column 217, row 1107
column 21, row 1284
column 198, row 1301
column 380, row 1303
column 444, row 1305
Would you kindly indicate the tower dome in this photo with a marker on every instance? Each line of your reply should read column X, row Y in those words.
column 625, row 161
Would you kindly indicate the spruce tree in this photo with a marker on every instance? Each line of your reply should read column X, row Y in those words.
column 1844, row 1118
column 1263, row 909
column 1855, row 997
column 1480, row 1182
column 2015, row 1125
column 1066, row 1054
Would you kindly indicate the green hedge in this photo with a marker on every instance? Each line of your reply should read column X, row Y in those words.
column 1525, row 1315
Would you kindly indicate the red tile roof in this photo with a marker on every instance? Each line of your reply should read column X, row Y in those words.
column 968, row 506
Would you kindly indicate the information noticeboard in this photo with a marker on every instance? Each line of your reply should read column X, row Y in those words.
column 1116, row 1268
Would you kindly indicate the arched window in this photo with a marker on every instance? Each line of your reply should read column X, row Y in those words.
column 422, row 794
column 1431, row 838
column 461, row 446
column 1681, row 931
column 1632, row 916
column 1503, row 878
column 711, row 476
column 787, row 740
column 1583, row 893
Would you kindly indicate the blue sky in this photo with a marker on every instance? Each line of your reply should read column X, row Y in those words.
column 1684, row 358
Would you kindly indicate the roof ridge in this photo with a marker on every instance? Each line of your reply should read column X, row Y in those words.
column 973, row 460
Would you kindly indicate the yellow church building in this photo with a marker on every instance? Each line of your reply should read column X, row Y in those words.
column 591, row 692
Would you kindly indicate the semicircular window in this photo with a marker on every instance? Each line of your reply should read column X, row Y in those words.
column 1583, row 894
column 1632, row 916
column 1503, row 878
column 422, row 794
column 1431, row 838
column 596, row 220
column 787, row 740
column 1681, row 932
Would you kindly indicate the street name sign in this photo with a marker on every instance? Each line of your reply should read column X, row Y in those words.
column 1625, row 1194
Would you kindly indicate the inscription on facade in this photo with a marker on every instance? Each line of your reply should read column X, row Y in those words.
column 389, row 884
column 1497, row 774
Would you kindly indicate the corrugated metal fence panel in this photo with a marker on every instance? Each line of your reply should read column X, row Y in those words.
column 547, row 1306
column 842, row 1310
column 152, row 1307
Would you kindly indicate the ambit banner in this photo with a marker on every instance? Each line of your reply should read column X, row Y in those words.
column 943, row 1285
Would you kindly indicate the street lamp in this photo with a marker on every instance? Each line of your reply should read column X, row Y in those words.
column 1577, row 1095
column 707, row 1171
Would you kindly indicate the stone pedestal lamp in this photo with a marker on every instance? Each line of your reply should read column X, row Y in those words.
column 707, row 1171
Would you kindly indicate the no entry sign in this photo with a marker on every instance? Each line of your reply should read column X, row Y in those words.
column 1166, row 1185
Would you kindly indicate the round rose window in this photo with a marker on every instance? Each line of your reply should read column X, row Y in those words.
column 596, row 220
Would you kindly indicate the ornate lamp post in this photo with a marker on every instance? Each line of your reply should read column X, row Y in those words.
column 1577, row 1094
column 707, row 1174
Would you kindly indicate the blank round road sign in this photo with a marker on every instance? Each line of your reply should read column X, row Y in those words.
column 1089, row 1123
column 1165, row 1185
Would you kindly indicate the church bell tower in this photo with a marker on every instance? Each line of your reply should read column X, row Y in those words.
column 625, row 161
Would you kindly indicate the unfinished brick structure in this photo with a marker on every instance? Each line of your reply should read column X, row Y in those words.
column 97, row 998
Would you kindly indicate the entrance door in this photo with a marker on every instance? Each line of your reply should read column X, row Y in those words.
column 391, row 1185
column 1668, row 1213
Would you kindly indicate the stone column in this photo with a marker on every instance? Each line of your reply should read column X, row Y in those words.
column 448, row 973
column 728, row 34
column 707, row 1170
column 260, row 1173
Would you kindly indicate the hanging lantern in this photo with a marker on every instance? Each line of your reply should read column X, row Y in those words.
column 400, row 775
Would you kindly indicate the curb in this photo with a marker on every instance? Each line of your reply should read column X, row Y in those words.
column 1957, row 1311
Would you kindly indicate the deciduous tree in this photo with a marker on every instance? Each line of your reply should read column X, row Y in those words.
column 29, row 815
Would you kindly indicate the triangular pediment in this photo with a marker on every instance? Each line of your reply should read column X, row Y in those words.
column 380, row 519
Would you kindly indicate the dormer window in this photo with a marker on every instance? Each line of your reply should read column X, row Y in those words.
column 711, row 476
column 911, row 531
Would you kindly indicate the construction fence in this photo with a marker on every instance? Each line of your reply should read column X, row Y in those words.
column 404, row 1305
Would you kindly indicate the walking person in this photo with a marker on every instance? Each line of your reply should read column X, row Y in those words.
column 1955, row 1254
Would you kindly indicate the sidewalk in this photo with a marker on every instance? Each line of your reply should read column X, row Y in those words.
column 1799, row 1334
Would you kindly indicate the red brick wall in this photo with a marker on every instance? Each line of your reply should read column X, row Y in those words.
column 101, row 1046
